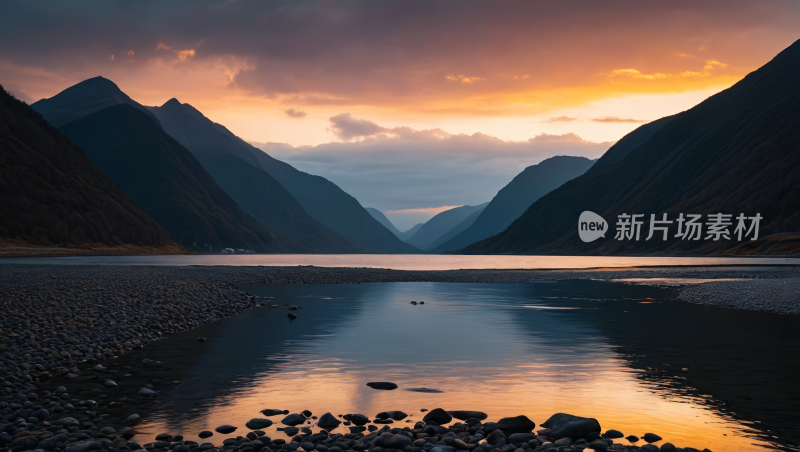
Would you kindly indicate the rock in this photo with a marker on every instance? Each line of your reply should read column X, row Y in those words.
column 599, row 446
column 99, row 368
column 395, row 415
column 442, row 448
column 68, row 422
column 463, row 415
column 291, row 431
column 651, row 437
column 382, row 385
column 632, row 438
column 83, row 446
column 147, row 392
column 225, row 429
column 306, row 413
column 612, row 434
column 271, row 412
column 547, row 446
column 390, row 441
column 437, row 415
column 564, row 425
column 667, row 447
column 131, row 418
column 521, row 437
column 61, row 390
column 205, row 434
column 201, row 339
column 110, row 384
column 294, row 419
column 164, row 437
column 648, row 448
column 517, row 424
column 565, row 442
column 328, row 422
column 359, row 419
column 258, row 424
column 107, row 431
column 495, row 437
column 292, row 316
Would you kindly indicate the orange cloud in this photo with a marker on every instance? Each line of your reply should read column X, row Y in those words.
column 561, row 119
column 618, row 120
column 184, row 55
column 521, row 78
column 463, row 79
column 131, row 53
column 161, row 46
column 111, row 57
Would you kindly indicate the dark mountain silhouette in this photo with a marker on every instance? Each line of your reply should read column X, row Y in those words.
column 378, row 215
column 410, row 233
column 511, row 201
column 83, row 99
column 440, row 224
column 255, row 190
column 168, row 183
column 52, row 194
column 456, row 230
column 319, row 197
column 736, row 152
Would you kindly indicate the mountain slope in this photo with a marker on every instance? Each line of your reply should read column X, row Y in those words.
column 378, row 215
column 52, row 194
column 319, row 197
column 255, row 190
column 83, row 99
column 455, row 231
column 440, row 224
column 168, row 183
column 513, row 199
column 410, row 233
column 736, row 152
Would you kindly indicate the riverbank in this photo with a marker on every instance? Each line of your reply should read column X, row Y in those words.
column 63, row 321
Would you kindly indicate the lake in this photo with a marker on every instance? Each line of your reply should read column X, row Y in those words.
column 590, row 348
column 408, row 261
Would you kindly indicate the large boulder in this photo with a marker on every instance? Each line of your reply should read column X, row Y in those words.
column 396, row 415
column 359, row 419
column 496, row 438
column 328, row 422
column 390, row 441
column 438, row 415
column 463, row 415
column 258, row 424
column 516, row 424
column 564, row 425
column 294, row 419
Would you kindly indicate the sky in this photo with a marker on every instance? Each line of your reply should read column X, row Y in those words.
column 454, row 97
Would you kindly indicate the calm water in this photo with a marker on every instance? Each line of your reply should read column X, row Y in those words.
column 408, row 261
column 506, row 349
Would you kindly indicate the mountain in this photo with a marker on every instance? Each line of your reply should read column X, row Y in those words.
column 52, row 194
column 378, row 215
column 455, row 231
column 255, row 190
column 168, row 183
column 319, row 197
column 83, row 99
column 410, row 233
column 440, row 224
column 512, row 200
column 736, row 152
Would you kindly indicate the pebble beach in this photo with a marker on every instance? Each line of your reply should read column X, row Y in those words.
column 75, row 376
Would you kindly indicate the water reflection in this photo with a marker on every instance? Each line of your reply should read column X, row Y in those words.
column 506, row 349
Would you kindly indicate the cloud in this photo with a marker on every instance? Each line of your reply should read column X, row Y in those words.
column 292, row 113
column 560, row 119
column 619, row 120
column 463, row 79
column 111, row 57
column 401, row 168
column 131, row 53
column 635, row 73
column 345, row 127
column 184, row 55
column 161, row 46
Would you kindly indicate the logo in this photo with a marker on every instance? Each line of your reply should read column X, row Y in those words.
column 591, row 226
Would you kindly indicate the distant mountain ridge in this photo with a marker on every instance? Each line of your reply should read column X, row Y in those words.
column 378, row 215
column 52, row 194
column 410, row 233
column 513, row 199
column 239, row 173
column 168, row 183
column 736, row 152
column 440, row 224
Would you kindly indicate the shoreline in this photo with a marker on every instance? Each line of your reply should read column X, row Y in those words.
column 59, row 326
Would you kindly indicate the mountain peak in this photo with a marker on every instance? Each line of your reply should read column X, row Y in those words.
column 172, row 103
